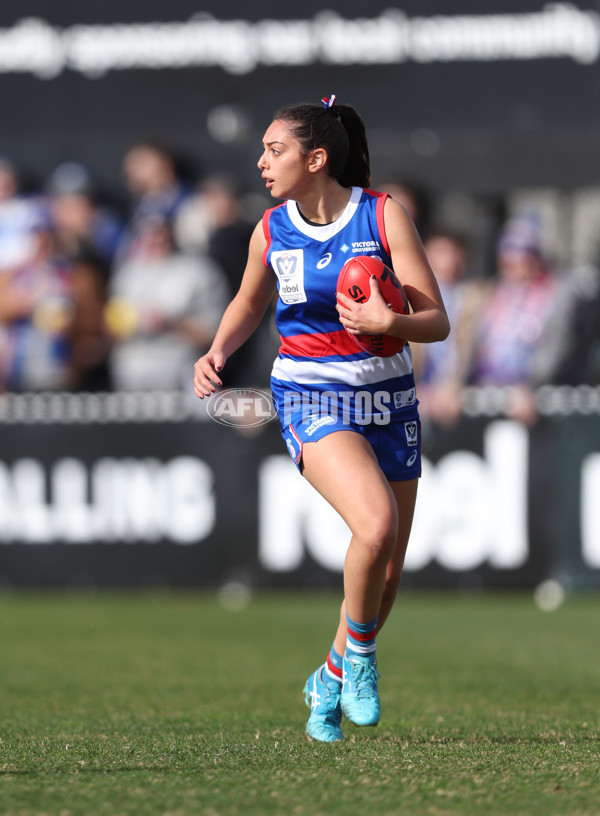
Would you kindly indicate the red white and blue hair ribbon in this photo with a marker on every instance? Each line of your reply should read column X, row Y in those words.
column 329, row 102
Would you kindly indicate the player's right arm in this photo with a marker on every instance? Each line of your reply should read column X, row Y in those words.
column 241, row 317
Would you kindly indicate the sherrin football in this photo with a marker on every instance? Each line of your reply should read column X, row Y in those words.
column 353, row 281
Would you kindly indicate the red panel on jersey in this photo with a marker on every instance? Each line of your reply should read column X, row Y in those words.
column 319, row 345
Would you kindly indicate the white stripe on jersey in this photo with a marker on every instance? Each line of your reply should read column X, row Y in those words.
column 354, row 372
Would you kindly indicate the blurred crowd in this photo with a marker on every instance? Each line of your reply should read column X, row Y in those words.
column 519, row 321
column 99, row 296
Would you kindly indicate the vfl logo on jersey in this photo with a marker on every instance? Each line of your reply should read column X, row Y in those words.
column 288, row 265
column 412, row 433
column 324, row 261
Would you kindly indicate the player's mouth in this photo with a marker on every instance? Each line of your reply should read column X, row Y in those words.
column 268, row 182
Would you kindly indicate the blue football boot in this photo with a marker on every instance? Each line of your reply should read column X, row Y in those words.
column 360, row 698
column 325, row 712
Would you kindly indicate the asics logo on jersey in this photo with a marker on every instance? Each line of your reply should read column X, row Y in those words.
column 324, row 261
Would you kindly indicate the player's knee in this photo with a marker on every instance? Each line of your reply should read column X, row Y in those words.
column 379, row 536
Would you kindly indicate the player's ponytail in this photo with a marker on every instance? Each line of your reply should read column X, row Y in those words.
column 340, row 131
column 357, row 170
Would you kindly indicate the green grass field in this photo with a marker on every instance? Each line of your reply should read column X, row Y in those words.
column 169, row 704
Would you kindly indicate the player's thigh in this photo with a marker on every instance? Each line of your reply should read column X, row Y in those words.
column 345, row 471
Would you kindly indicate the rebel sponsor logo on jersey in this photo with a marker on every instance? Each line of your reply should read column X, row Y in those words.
column 289, row 268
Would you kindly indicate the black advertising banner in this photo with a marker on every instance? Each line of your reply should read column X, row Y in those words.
column 127, row 498
column 126, row 504
column 473, row 96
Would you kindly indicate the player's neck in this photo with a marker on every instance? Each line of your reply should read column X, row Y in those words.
column 325, row 203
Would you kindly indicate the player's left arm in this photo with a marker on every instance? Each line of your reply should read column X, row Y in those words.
column 428, row 321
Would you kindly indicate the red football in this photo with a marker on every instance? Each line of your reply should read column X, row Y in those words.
column 353, row 281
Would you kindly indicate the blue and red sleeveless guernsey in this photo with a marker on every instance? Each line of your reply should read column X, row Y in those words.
column 320, row 368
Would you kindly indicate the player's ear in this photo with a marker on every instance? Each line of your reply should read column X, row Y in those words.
column 317, row 159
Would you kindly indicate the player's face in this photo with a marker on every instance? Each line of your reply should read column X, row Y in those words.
column 282, row 164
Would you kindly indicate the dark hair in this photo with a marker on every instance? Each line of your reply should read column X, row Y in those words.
column 340, row 131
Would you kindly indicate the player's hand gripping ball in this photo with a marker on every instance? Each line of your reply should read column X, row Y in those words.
column 354, row 281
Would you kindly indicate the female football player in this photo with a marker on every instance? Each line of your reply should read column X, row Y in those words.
column 349, row 419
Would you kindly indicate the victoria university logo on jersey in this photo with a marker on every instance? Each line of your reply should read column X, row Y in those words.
column 289, row 268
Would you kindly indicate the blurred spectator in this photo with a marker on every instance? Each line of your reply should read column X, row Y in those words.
column 49, row 319
column 510, row 325
column 19, row 215
column 163, row 311
column 156, row 186
column 212, row 221
column 442, row 368
column 90, row 338
column 570, row 349
column 414, row 199
column 81, row 224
